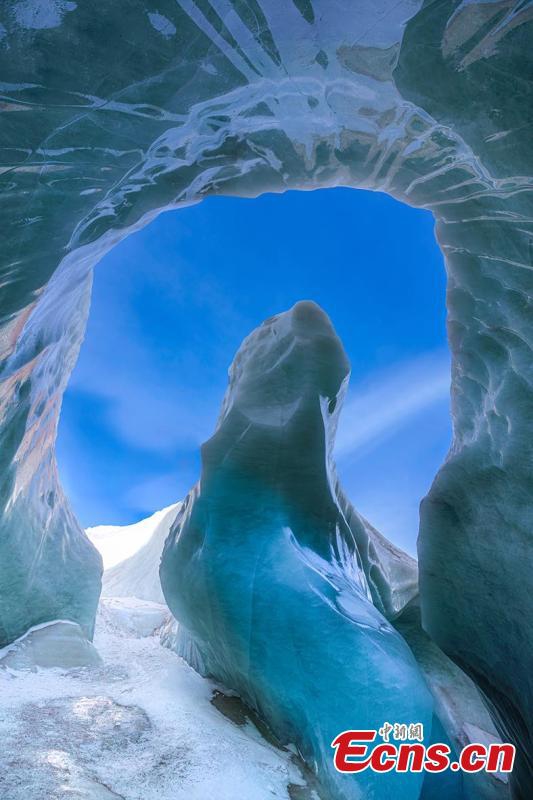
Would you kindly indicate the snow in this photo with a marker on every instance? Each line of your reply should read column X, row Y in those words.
column 118, row 542
column 140, row 727
column 138, row 575
column 133, row 616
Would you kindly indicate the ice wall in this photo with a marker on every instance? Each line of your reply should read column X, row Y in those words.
column 112, row 112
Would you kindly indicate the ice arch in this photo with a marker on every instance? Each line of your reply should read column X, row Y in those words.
column 112, row 112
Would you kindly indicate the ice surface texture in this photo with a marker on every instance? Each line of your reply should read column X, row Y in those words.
column 112, row 113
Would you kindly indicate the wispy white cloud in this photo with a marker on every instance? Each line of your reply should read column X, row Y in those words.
column 152, row 413
column 389, row 399
column 155, row 399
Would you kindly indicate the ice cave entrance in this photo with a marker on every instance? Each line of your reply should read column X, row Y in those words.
column 172, row 303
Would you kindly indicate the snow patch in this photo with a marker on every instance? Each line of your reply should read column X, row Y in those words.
column 118, row 542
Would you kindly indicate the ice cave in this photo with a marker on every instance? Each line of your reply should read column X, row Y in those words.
column 115, row 112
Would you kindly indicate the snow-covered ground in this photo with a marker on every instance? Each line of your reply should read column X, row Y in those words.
column 141, row 725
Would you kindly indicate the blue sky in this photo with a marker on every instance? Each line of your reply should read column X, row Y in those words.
column 172, row 303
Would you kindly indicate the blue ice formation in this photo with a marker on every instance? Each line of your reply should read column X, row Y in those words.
column 263, row 568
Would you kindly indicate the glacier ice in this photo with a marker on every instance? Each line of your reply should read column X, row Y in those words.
column 48, row 568
column 111, row 115
column 459, row 707
column 60, row 644
column 263, row 571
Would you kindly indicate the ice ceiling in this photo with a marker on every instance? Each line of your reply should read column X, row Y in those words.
column 116, row 110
